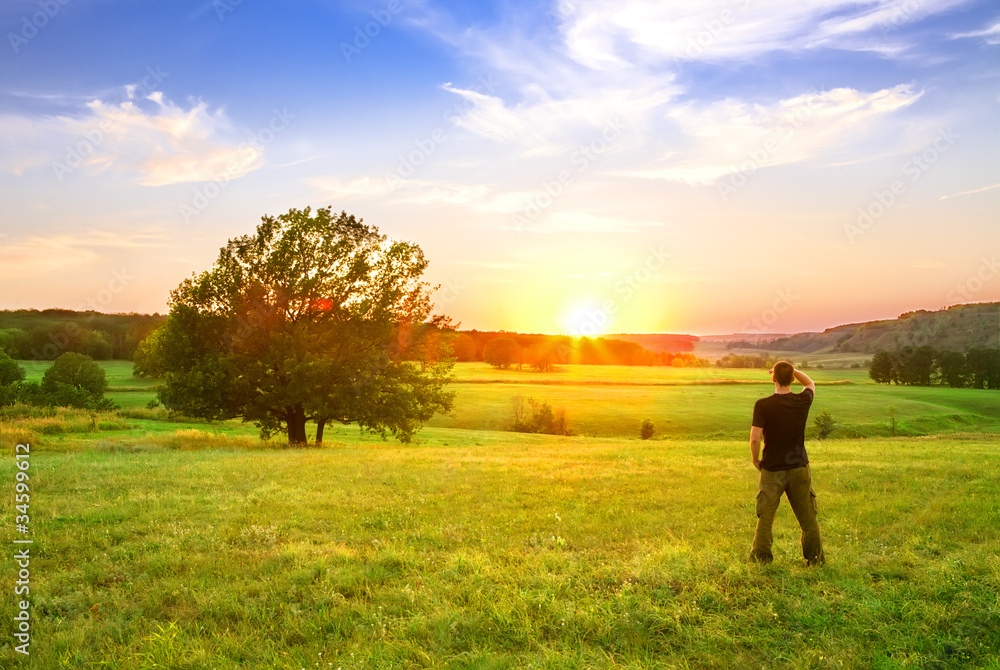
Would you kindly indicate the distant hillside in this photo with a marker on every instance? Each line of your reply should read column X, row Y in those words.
column 957, row 328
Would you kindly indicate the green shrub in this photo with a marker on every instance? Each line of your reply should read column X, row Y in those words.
column 533, row 416
column 824, row 424
column 646, row 430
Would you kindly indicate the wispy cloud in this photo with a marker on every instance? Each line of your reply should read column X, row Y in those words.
column 153, row 141
column 728, row 136
column 970, row 192
column 992, row 34
column 625, row 59
column 616, row 34
column 410, row 191
column 546, row 123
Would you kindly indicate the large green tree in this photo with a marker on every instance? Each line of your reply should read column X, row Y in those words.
column 303, row 321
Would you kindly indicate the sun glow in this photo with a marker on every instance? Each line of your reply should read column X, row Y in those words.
column 586, row 319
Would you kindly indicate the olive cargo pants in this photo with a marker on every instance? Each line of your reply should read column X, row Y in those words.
column 797, row 485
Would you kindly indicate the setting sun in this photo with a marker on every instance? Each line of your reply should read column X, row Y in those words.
column 588, row 319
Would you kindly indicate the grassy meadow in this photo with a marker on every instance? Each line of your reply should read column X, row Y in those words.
column 169, row 543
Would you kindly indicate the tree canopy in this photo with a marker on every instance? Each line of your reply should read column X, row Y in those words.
column 501, row 352
column 309, row 319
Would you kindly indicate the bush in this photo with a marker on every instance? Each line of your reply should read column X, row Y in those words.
column 533, row 416
column 824, row 424
column 646, row 430
column 78, row 371
column 73, row 380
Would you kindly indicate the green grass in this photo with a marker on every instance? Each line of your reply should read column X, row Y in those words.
column 611, row 401
column 492, row 550
column 640, row 375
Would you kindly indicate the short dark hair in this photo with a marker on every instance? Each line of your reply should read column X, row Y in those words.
column 784, row 373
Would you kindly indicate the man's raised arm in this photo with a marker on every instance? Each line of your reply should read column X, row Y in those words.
column 803, row 379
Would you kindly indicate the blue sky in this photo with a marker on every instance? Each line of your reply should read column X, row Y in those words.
column 578, row 166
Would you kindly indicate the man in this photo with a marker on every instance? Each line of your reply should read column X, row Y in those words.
column 781, row 420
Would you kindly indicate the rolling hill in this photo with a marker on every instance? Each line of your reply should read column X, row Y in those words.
column 957, row 328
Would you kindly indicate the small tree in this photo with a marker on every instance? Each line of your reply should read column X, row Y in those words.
column 646, row 430
column 501, row 352
column 824, row 424
column 542, row 357
column 892, row 418
column 542, row 418
column 881, row 366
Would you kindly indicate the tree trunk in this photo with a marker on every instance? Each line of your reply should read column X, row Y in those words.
column 295, row 418
column 320, row 424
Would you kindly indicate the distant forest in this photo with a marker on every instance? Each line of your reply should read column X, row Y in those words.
column 503, row 349
column 31, row 334
column 44, row 334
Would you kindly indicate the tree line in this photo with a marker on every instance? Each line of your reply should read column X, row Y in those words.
column 763, row 361
column 31, row 334
column 543, row 353
column 926, row 366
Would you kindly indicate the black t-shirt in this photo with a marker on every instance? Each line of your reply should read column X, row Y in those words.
column 783, row 417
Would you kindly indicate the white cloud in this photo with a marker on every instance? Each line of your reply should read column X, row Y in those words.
column 617, row 34
column 170, row 145
column 732, row 136
column 486, row 115
column 992, row 34
column 544, row 124
column 480, row 198
column 156, row 144
column 409, row 191
column 625, row 59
